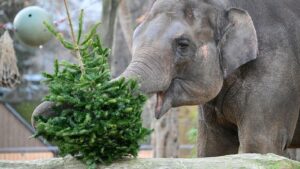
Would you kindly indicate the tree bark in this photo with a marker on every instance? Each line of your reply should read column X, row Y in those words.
column 120, row 54
column 165, row 136
column 109, row 14
column 126, row 23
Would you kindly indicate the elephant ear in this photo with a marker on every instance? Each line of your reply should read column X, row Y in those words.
column 238, row 45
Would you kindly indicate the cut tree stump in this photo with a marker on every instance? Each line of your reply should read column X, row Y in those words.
column 240, row 161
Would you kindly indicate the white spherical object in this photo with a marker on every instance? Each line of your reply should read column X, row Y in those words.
column 29, row 26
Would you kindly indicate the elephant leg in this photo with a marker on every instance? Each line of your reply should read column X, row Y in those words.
column 254, row 139
column 214, row 139
column 296, row 138
column 267, row 121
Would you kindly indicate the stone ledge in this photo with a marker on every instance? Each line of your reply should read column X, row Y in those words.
column 240, row 161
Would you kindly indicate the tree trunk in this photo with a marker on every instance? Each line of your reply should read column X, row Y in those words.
column 109, row 14
column 165, row 136
column 199, row 134
column 120, row 55
column 126, row 23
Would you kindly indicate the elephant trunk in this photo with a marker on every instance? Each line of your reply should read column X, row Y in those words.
column 150, row 77
column 153, row 77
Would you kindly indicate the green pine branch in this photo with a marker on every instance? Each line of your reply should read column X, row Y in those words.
column 98, row 121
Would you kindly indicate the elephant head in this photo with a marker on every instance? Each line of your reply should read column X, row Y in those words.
column 184, row 49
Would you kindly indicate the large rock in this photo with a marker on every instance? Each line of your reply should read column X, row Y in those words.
column 241, row 161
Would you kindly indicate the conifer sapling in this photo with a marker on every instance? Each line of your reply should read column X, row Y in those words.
column 98, row 121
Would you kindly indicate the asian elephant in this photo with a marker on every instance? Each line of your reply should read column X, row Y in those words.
column 240, row 59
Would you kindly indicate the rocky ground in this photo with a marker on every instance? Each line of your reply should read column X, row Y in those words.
column 240, row 161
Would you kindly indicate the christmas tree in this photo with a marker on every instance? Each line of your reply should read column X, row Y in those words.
column 98, row 120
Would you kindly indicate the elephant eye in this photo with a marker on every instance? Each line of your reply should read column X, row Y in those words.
column 182, row 45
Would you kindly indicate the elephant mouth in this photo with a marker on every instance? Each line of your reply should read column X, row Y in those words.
column 165, row 98
column 163, row 102
column 159, row 103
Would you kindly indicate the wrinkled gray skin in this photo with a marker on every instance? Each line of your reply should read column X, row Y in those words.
column 238, row 58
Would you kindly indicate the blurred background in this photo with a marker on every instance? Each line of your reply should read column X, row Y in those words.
column 174, row 135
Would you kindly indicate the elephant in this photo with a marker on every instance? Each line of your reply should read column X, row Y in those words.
column 239, row 59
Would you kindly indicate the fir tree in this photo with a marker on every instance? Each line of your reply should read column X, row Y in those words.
column 98, row 121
